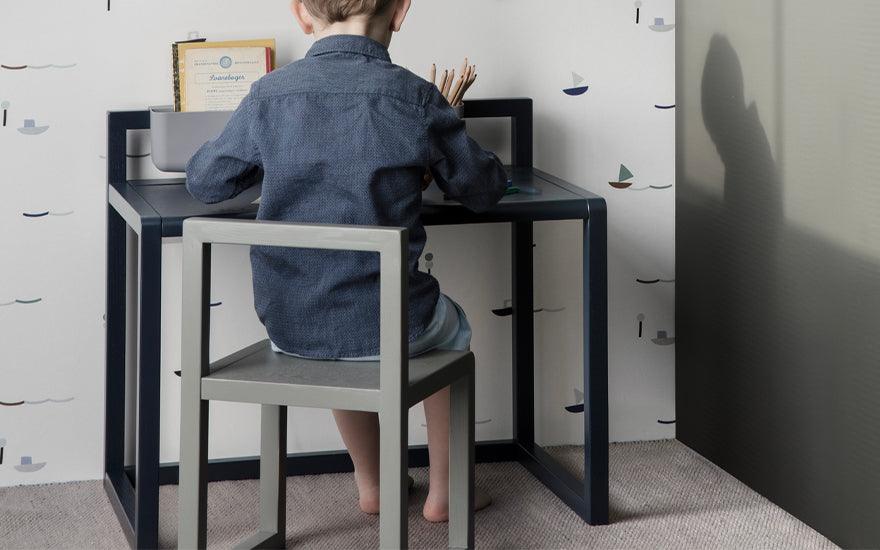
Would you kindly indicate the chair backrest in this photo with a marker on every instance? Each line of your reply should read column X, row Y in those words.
column 199, row 234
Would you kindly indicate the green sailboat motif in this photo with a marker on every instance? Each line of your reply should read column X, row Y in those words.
column 623, row 180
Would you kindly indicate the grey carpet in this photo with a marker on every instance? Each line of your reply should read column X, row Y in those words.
column 662, row 496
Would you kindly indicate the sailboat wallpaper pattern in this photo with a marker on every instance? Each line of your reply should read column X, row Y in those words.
column 622, row 129
column 603, row 86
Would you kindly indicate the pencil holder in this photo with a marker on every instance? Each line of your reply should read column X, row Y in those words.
column 175, row 137
column 459, row 111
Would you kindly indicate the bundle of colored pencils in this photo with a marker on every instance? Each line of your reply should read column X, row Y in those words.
column 454, row 89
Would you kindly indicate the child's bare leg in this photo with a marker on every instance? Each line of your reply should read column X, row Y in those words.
column 360, row 432
column 437, row 504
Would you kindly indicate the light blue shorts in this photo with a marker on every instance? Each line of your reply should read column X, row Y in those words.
column 449, row 329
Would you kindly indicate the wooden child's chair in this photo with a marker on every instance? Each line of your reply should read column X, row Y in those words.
column 256, row 374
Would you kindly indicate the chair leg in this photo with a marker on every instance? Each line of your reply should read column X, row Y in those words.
column 461, row 463
column 273, row 480
column 193, row 488
column 393, row 476
column 273, row 471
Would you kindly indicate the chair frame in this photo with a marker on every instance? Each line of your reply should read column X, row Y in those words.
column 199, row 234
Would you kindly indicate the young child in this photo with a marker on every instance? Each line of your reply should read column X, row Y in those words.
column 344, row 136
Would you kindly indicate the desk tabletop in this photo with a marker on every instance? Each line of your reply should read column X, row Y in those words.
column 543, row 197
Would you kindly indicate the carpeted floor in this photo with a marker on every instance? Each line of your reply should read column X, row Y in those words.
column 662, row 496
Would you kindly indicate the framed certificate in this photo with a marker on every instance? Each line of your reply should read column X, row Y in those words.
column 217, row 76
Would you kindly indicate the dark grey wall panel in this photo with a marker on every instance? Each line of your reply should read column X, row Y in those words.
column 778, row 252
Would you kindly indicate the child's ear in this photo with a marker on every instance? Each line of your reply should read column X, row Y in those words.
column 400, row 11
column 303, row 17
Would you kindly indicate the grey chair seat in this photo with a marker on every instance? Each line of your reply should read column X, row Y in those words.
column 256, row 374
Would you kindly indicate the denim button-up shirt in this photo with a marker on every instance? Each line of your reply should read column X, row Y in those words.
column 342, row 136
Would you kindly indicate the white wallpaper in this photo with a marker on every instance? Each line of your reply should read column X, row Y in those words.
column 64, row 64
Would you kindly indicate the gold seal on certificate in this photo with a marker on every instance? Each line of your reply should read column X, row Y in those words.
column 217, row 76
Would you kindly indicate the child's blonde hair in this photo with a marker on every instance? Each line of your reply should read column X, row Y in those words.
column 333, row 11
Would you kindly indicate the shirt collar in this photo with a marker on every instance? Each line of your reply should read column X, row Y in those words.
column 349, row 43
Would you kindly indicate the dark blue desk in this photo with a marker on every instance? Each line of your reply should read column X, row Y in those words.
column 156, row 209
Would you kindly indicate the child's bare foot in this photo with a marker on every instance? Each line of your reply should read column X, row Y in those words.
column 369, row 501
column 436, row 509
column 368, row 495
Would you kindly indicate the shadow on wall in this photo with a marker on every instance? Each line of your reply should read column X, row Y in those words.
column 777, row 361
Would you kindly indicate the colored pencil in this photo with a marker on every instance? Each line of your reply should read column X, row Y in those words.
column 453, row 93
column 442, row 83
column 466, row 76
column 448, row 84
column 472, row 76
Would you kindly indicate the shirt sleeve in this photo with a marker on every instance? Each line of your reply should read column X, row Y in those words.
column 224, row 167
column 461, row 168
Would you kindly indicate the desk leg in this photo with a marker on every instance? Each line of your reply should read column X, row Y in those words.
column 114, row 398
column 596, row 365
column 523, row 336
column 149, row 357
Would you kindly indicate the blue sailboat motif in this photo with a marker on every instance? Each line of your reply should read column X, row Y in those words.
column 577, row 87
column 578, row 406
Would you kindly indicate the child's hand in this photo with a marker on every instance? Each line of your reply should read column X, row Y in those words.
column 427, row 179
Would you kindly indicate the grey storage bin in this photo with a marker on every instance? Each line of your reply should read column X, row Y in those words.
column 175, row 137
